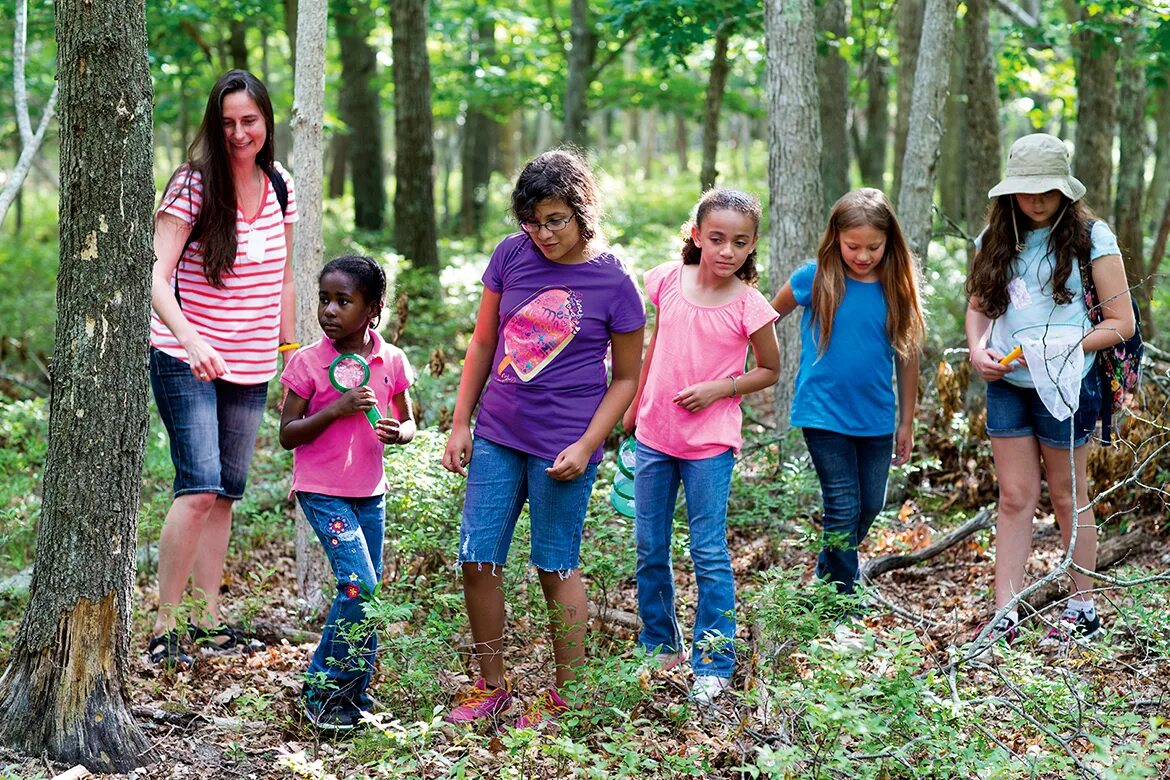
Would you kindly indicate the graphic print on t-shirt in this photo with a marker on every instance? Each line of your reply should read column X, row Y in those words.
column 538, row 330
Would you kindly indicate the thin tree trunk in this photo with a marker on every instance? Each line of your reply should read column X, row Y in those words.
column 874, row 149
column 794, row 183
column 648, row 141
column 910, row 28
column 415, row 232
column 238, row 44
column 716, row 84
column 308, row 252
column 1095, row 55
column 681, row 142
column 1158, row 192
column 479, row 138
column 983, row 152
column 290, row 30
column 915, row 198
column 833, row 81
column 64, row 691
column 952, row 197
column 1131, row 165
column 358, row 105
column 581, row 54
column 338, row 152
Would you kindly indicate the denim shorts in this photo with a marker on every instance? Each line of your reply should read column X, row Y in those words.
column 499, row 480
column 212, row 426
column 1018, row 411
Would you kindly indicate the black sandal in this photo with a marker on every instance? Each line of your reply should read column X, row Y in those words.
column 234, row 640
column 166, row 651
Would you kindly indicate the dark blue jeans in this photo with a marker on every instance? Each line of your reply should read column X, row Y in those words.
column 853, row 471
column 351, row 530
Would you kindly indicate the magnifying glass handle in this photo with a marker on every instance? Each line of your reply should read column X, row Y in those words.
column 373, row 415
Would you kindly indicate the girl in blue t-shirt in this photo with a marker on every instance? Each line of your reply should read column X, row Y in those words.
column 1026, row 280
column 554, row 304
column 862, row 324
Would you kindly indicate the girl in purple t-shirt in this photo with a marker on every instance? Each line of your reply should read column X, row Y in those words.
column 554, row 304
column 688, row 426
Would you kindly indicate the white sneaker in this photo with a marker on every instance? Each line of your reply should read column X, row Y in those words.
column 705, row 689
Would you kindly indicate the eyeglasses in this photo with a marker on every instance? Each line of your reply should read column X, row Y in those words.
column 555, row 225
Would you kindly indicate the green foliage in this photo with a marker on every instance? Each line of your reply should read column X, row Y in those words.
column 24, row 429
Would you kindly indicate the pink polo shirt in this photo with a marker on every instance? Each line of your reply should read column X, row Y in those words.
column 695, row 344
column 346, row 459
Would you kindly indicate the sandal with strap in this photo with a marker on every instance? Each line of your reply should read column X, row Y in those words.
column 233, row 640
column 166, row 651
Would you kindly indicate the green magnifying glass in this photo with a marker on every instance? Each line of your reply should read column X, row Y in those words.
column 349, row 371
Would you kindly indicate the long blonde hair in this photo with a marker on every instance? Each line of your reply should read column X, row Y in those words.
column 896, row 271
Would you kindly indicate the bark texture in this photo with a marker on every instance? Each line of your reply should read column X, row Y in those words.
column 582, row 49
column 909, row 31
column 795, row 218
column 1096, row 58
column 833, row 81
column 480, row 132
column 983, row 154
column 359, row 107
column 308, row 250
column 919, row 167
column 873, row 148
column 63, row 692
column 415, row 232
column 716, row 85
column 1131, row 165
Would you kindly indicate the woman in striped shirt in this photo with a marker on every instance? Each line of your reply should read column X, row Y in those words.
column 223, row 302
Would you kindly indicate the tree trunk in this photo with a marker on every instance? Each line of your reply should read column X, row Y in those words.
column 358, row 105
column 833, row 81
column 479, row 138
column 795, row 218
column 338, row 152
column 874, row 148
column 290, row 30
column 648, row 141
column 308, row 250
column 716, row 84
column 415, row 233
column 1095, row 55
column 64, row 690
column 919, row 167
column 581, row 53
column 1131, row 166
column 909, row 13
column 984, row 155
column 238, row 44
column 680, row 142
column 1159, row 191
column 952, row 196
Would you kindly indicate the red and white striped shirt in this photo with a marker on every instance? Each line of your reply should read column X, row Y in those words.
column 242, row 320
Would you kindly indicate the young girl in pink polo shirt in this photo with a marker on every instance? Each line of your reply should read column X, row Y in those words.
column 338, row 476
column 687, row 420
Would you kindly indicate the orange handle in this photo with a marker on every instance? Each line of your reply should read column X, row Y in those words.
column 1012, row 356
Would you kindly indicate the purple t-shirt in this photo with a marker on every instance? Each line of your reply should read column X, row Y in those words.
column 549, row 372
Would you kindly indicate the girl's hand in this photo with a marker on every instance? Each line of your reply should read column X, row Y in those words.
column 903, row 443
column 387, row 430
column 359, row 400
column 986, row 363
column 699, row 396
column 630, row 420
column 458, row 452
column 571, row 463
column 205, row 362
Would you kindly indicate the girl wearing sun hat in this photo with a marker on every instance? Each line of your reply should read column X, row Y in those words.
column 1025, row 288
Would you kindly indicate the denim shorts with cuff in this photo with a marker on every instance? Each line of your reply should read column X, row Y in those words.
column 499, row 480
column 212, row 426
column 1018, row 411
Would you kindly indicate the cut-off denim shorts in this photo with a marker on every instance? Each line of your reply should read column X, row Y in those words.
column 1018, row 411
column 499, row 480
column 212, row 426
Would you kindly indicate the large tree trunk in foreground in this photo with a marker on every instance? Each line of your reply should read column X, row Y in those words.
column 919, row 167
column 308, row 250
column 415, row 232
column 795, row 218
column 63, row 692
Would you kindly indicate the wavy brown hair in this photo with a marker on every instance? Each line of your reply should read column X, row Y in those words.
column 992, row 269
column 561, row 174
column 724, row 200
column 215, row 225
column 897, row 271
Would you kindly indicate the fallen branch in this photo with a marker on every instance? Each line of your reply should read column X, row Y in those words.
column 616, row 616
column 187, row 720
column 1112, row 551
column 982, row 521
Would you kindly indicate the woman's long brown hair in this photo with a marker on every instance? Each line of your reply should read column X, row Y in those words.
column 896, row 271
column 992, row 269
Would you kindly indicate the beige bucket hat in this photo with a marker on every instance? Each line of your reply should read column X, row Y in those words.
column 1038, row 163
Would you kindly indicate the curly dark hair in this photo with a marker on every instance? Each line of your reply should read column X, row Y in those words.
column 1006, row 223
column 724, row 200
column 561, row 174
column 368, row 277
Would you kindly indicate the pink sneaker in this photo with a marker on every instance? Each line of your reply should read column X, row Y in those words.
column 544, row 711
column 479, row 701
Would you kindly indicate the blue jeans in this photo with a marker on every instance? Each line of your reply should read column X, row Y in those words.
column 707, row 482
column 499, row 480
column 211, row 425
column 853, row 472
column 351, row 530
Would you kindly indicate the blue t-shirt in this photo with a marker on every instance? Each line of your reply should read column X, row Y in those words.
column 849, row 389
column 549, row 371
column 1031, row 309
